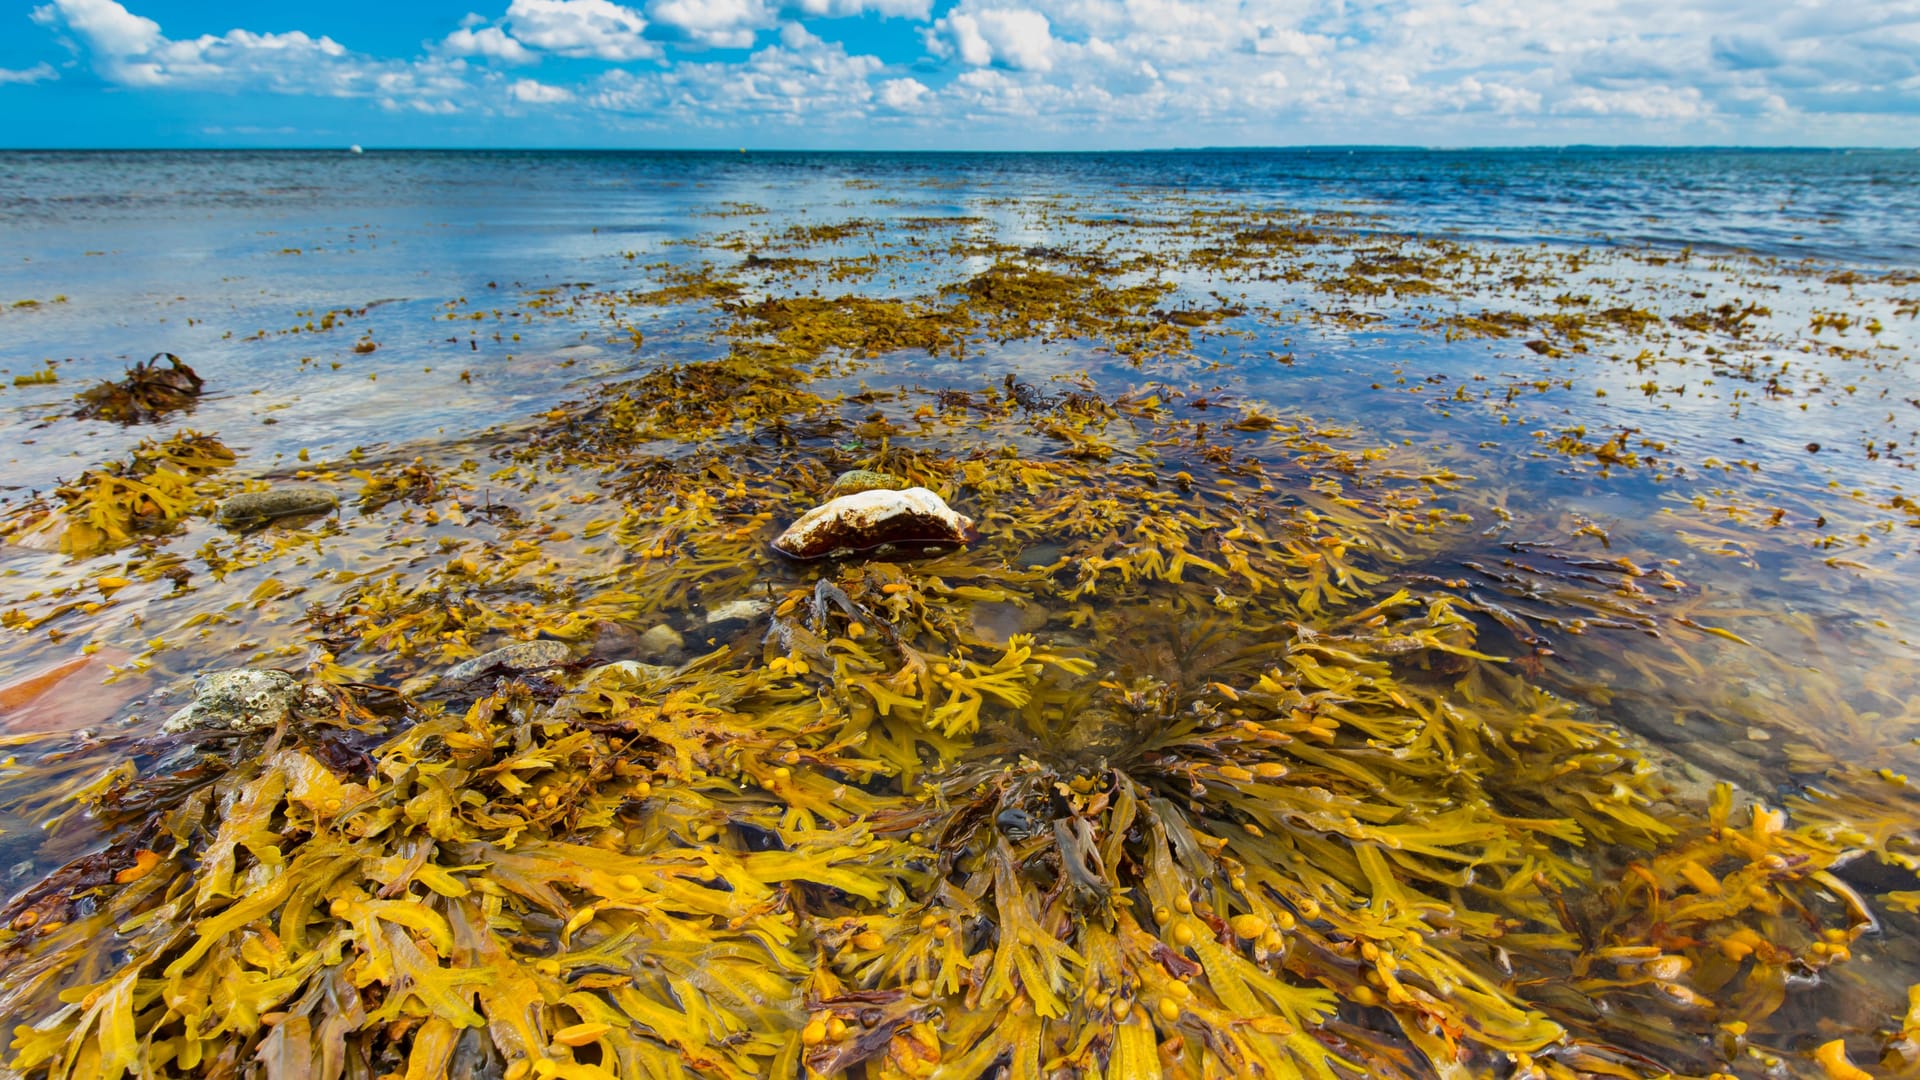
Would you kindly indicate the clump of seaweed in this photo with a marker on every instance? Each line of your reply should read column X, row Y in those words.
column 148, row 392
column 1224, row 809
column 102, row 509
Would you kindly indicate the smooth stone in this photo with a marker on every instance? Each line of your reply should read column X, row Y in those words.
column 69, row 695
column 245, row 700
column 519, row 658
column 661, row 640
column 632, row 670
column 854, row 481
column 612, row 640
column 1045, row 553
column 997, row 620
column 870, row 519
column 738, row 611
column 281, row 500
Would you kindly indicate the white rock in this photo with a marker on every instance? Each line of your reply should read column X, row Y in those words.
column 630, row 671
column 738, row 611
column 869, row 519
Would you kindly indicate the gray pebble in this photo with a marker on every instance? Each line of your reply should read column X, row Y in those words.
column 519, row 658
column 281, row 500
column 743, row 611
column 661, row 640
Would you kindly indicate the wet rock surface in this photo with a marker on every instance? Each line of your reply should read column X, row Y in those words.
column 855, row 481
column 629, row 670
column 735, row 614
column 251, row 508
column 516, row 659
column 661, row 641
column 243, row 700
column 998, row 621
column 871, row 519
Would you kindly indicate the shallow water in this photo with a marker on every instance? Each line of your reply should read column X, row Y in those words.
column 1689, row 521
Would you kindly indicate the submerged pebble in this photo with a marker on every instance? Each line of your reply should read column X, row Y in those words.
column 737, row 611
column 632, row 670
column 279, row 501
column 245, row 700
column 661, row 640
column 870, row 519
column 519, row 658
column 996, row 621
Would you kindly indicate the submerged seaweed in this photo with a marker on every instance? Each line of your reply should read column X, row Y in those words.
column 1212, row 756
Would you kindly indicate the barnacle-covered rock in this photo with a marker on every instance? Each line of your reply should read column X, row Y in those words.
column 519, row 658
column 245, row 700
column 282, row 500
column 854, row 481
column 870, row 519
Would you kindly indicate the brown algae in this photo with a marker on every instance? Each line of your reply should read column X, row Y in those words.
column 1266, row 778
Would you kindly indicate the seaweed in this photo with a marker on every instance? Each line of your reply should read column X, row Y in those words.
column 1216, row 754
column 102, row 509
column 148, row 392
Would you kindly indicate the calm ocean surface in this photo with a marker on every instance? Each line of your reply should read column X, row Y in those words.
column 1850, row 206
column 195, row 253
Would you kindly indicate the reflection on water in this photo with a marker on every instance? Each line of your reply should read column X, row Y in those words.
column 1385, row 560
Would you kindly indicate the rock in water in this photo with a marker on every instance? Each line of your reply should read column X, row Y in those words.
column 737, row 611
column 870, row 519
column 854, row 481
column 661, row 640
column 245, row 700
column 630, row 671
column 282, row 500
column 518, row 659
column 997, row 621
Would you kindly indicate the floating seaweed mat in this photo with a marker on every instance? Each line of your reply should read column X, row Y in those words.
column 1315, row 832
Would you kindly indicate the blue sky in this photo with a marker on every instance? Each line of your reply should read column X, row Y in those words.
column 1077, row 74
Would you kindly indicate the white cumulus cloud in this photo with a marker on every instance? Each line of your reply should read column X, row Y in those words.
column 722, row 24
column 835, row 9
column 131, row 50
column 41, row 72
column 529, row 92
column 902, row 94
column 1015, row 37
column 110, row 29
column 488, row 41
column 598, row 29
column 1101, row 72
column 803, row 79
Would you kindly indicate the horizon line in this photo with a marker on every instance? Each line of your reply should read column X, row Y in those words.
column 334, row 148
